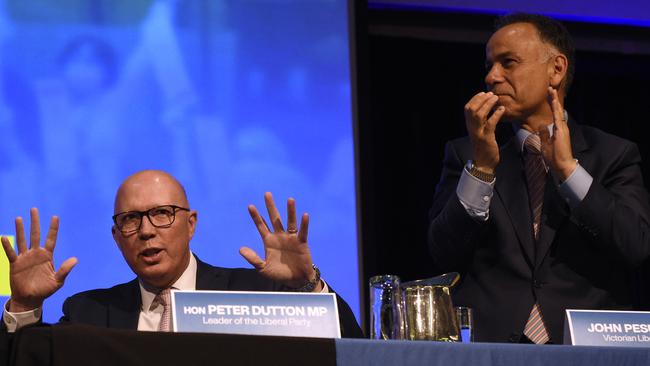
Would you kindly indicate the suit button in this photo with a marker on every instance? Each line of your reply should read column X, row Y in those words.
column 514, row 338
column 537, row 284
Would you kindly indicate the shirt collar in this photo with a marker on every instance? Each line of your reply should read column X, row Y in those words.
column 522, row 134
column 186, row 282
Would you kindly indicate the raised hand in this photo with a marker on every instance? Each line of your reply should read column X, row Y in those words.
column 287, row 257
column 556, row 149
column 481, row 126
column 31, row 272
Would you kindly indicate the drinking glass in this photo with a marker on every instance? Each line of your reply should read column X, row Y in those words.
column 386, row 316
column 465, row 321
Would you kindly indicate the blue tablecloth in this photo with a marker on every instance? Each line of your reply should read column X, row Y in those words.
column 410, row 353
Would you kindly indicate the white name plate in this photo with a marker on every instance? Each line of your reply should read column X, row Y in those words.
column 607, row 328
column 256, row 313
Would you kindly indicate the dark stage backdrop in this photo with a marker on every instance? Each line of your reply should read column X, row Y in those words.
column 415, row 71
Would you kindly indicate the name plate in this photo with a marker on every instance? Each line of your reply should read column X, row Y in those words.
column 256, row 313
column 607, row 328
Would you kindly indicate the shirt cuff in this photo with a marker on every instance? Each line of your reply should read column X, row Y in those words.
column 475, row 195
column 575, row 187
column 15, row 321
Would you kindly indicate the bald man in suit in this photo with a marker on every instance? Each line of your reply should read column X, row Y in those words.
column 153, row 227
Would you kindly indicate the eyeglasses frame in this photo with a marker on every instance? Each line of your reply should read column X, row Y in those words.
column 146, row 213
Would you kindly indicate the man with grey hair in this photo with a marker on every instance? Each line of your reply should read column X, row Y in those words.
column 554, row 219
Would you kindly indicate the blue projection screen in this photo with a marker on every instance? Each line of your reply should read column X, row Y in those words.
column 233, row 97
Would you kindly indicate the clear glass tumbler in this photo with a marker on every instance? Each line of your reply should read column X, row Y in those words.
column 386, row 315
column 466, row 323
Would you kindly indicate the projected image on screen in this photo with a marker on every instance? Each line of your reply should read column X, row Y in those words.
column 234, row 98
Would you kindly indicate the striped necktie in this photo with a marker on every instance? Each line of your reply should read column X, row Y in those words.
column 164, row 299
column 535, row 329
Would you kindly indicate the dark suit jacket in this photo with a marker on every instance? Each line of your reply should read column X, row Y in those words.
column 584, row 256
column 119, row 306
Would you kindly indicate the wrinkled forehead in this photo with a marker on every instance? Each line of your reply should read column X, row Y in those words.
column 142, row 192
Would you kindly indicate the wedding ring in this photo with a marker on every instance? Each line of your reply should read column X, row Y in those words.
column 292, row 231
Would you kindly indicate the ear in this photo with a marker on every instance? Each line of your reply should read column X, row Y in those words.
column 558, row 68
column 191, row 220
column 115, row 234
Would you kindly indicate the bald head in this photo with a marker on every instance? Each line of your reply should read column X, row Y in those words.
column 149, row 188
column 158, row 254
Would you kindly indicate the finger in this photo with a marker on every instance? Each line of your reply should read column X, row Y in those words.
column 487, row 106
column 556, row 107
column 50, row 240
column 266, row 225
column 9, row 251
column 65, row 269
column 34, row 229
column 252, row 257
column 476, row 102
column 20, row 235
column 262, row 228
column 304, row 228
column 491, row 124
column 274, row 214
column 292, row 225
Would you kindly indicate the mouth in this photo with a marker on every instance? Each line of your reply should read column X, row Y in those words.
column 151, row 255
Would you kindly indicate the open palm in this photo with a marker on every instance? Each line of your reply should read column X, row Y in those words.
column 287, row 256
column 31, row 272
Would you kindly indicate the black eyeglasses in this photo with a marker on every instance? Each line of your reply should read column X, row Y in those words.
column 162, row 216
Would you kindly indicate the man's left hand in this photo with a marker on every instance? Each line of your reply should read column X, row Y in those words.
column 556, row 149
column 287, row 257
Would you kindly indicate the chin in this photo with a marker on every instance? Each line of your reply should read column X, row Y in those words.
column 512, row 114
column 153, row 276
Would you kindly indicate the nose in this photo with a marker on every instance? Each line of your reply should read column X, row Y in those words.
column 493, row 76
column 147, row 230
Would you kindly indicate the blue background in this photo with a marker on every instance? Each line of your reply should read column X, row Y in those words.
column 233, row 97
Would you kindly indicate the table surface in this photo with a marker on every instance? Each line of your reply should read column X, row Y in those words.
column 74, row 344
column 411, row 353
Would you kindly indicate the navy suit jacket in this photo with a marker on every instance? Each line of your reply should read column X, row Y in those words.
column 119, row 306
column 584, row 257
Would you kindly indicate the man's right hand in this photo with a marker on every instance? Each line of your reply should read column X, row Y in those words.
column 31, row 273
column 481, row 129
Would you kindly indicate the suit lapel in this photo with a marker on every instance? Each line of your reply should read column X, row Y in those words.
column 555, row 210
column 553, row 213
column 125, row 314
column 511, row 189
column 210, row 278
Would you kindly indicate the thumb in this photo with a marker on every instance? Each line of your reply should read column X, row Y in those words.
column 65, row 269
column 252, row 258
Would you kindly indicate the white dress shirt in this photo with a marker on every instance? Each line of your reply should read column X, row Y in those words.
column 151, row 311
